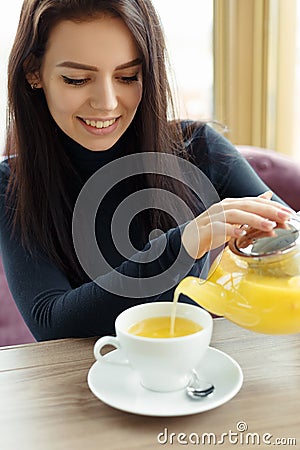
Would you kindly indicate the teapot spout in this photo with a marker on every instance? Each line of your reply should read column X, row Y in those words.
column 207, row 294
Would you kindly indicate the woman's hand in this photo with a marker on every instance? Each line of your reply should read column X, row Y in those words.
column 223, row 220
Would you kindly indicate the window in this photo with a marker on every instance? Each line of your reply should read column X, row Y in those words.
column 257, row 72
column 296, row 117
column 188, row 27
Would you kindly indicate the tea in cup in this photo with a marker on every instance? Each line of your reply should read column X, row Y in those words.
column 163, row 360
column 161, row 327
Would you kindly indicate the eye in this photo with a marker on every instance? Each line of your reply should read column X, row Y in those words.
column 129, row 80
column 74, row 81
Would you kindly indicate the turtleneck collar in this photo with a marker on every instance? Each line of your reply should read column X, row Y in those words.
column 78, row 153
column 88, row 161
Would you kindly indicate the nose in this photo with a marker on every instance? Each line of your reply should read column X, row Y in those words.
column 103, row 96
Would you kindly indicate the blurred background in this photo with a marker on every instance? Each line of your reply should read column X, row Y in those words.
column 233, row 61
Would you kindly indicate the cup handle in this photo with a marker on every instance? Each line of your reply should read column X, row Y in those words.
column 108, row 340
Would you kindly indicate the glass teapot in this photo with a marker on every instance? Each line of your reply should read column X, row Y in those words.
column 256, row 281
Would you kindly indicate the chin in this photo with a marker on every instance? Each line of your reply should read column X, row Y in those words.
column 98, row 146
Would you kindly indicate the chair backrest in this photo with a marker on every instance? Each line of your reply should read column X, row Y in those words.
column 13, row 329
column 280, row 172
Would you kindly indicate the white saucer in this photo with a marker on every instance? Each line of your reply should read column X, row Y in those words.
column 119, row 387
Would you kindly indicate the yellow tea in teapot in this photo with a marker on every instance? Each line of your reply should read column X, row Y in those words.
column 160, row 327
column 253, row 299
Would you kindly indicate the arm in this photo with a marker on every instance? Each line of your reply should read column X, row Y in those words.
column 224, row 165
column 53, row 309
column 242, row 198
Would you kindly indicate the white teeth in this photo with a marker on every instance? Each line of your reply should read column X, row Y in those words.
column 100, row 123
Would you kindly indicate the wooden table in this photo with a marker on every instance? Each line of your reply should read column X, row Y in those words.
column 45, row 402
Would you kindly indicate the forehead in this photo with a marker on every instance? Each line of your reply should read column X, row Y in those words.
column 101, row 42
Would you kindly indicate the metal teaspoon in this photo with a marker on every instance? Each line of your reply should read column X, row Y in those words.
column 198, row 389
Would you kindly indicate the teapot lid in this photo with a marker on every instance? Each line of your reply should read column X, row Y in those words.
column 257, row 243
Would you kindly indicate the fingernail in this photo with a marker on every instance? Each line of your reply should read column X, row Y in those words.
column 238, row 232
column 268, row 194
column 269, row 224
column 283, row 215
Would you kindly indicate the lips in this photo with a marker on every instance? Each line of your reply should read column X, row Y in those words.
column 99, row 127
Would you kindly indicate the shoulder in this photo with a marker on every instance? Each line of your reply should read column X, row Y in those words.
column 207, row 137
column 207, row 147
column 214, row 154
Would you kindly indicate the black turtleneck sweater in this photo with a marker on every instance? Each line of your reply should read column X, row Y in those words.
column 52, row 306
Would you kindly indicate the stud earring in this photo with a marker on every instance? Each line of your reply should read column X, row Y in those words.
column 34, row 86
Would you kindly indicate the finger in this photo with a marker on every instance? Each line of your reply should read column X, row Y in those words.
column 244, row 201
column 255, row 220
column 267, row 195
column 266, row 208
column 258, row 216
column 220, row 233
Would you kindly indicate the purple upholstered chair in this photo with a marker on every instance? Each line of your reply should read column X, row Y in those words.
column 280, row 172
column 13, row 329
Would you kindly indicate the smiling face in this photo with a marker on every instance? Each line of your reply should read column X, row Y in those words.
column 91, row 74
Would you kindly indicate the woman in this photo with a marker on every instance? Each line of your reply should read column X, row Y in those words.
column 89, row 100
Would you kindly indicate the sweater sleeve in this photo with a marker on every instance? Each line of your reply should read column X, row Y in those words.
column 229, row 172
column 53, row 309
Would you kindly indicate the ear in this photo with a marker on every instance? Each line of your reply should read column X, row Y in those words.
column 33, row 79
column 31, row 69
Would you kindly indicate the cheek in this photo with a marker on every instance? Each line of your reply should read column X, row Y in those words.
column 60, row 103
column 139, row 93
column 135, row 97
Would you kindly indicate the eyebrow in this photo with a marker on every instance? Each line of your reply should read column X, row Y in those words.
column 75, row 65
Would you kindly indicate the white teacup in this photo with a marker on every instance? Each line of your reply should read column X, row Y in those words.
column 162, row 364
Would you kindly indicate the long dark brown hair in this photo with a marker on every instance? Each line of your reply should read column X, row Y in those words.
column 42, row 206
